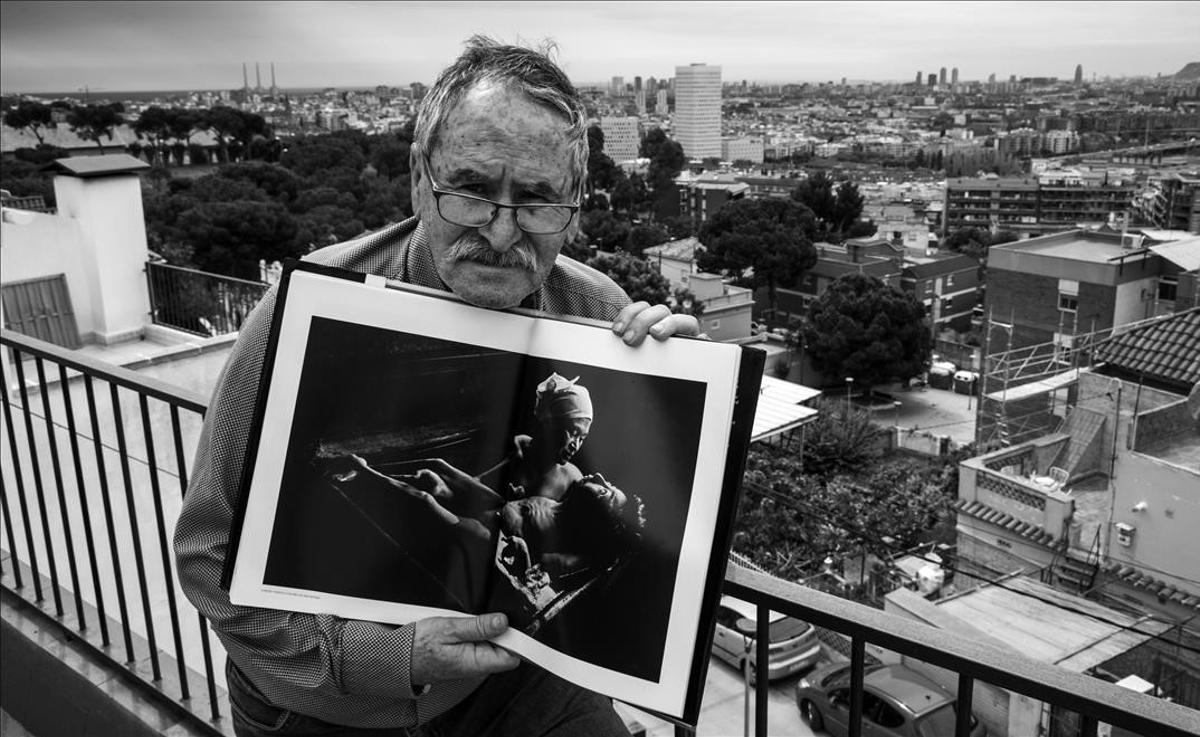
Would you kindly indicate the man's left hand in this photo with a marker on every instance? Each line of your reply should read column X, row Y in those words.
column 639, row 319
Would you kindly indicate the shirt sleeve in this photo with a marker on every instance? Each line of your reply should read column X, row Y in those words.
column 292, row 654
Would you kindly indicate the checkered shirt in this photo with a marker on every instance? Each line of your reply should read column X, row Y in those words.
column 339, row 670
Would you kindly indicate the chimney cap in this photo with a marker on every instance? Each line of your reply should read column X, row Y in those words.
column 88, row 167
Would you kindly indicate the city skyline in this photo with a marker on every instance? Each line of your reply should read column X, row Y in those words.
column 121, row 46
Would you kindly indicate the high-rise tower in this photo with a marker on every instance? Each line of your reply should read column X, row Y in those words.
column 954, row 75
column 697, row 122
column 1078, row 74
column 942, row 76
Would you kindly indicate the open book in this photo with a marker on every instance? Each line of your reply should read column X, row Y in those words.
column 414, row 456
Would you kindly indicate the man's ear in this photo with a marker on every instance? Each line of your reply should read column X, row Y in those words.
column 417, row 173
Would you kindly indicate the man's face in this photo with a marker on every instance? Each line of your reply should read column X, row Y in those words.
column 503, row 146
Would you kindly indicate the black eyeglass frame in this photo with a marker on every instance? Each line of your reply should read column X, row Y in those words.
column 439, row 192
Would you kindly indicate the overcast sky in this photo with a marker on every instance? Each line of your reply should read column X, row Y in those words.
column 128, row 46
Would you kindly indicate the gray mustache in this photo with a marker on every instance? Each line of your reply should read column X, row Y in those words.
column 473, row 247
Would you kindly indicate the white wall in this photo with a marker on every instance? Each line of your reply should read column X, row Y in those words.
column 1130, row 306
column 47, row 246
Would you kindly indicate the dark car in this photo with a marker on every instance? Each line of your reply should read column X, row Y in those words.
column 897, row 702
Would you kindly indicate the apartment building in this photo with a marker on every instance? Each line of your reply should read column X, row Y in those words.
column 946, row 283
column 1051, row 202
column 699, row 196
column 697, row 119
column 1174, row 202
column 1003, row 204
column 742, row 149
column 1057, row 286
column 621, row 137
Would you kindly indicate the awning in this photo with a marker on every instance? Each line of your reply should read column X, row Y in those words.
column 1183, row 253
column 779, row 408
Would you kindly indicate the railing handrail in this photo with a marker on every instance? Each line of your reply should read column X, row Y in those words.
column 1008, row 669
column 206, row 274
column 123, row 377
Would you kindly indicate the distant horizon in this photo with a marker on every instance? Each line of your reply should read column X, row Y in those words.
column 112, row 47
column 100, row 93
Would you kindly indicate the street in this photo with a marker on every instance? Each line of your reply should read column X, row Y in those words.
column 723, row 710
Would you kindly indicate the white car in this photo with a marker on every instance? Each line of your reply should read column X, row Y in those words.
column 793, row 647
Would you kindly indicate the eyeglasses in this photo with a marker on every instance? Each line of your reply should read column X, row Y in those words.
column 469, row 211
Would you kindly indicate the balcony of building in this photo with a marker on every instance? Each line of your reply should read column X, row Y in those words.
column 94, row 465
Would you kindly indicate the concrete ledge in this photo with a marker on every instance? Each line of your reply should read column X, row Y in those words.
column 54, row 685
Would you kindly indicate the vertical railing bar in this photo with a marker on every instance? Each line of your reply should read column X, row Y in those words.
column 762, row 663
column 84, row 507
column 181, row 467
column 20, row 476
column 163, row 546
column 35, row 464
column 857, row 660
column 109, row 520
column 135, row 530
column 12, row 545
column 52, row 438
column 966, row 689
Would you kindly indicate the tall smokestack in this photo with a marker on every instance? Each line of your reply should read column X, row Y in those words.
column 257, row 77
column 272, row 75
column 245, row 78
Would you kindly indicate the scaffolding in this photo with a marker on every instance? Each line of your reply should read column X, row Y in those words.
column 1019, row 387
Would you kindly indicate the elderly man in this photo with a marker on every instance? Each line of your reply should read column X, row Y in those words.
column 498, row 169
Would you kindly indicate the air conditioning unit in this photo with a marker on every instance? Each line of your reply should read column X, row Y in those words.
column 1125, row 533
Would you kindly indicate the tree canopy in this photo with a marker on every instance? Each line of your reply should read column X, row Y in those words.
column 642, row 282
column 836, row 210
column 32, row 116
column 862, row 328
column 758, row 242
column 666, row 160
column 93, row 122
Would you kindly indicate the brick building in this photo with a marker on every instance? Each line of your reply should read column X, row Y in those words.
column 1056, row 286
column 946, row 283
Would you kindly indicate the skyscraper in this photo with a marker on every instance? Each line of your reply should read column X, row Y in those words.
column 660, row 101
column 697, row 122
column 954, row 75
column 918, row 76
column 932, row 79
column 942, row 76
column 617, row 87
column 1078, row 74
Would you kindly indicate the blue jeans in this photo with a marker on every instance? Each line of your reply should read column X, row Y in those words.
column 527, row 701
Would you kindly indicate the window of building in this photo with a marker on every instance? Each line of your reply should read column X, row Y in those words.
column 1168, row 288
column 1068, row 302
column 949, row 280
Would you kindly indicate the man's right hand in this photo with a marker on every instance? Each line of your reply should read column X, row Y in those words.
column 446, row 648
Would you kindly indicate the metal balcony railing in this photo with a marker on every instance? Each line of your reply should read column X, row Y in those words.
column 95, row 463
column 198, row 302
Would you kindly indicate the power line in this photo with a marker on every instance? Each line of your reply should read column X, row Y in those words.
column 861, row 535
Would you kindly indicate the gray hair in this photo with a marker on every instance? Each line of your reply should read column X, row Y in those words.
column 530, row 71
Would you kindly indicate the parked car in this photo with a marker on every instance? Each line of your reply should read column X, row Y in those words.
column 897, row 702
column 793, row 643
